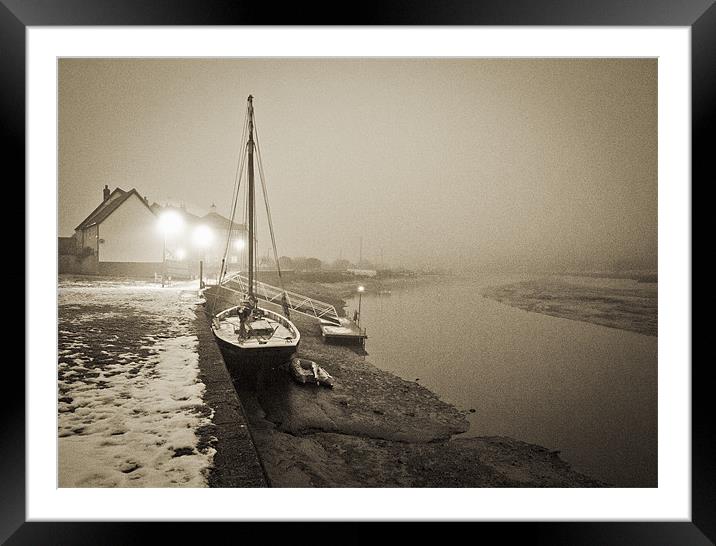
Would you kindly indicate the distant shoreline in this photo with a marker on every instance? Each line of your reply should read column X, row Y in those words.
column 631, row 309
column 634, row 275
column 337, row 293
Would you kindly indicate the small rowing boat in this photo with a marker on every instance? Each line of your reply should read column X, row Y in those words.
column 307, row 371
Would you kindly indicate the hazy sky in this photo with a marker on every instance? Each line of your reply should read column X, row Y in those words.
column 453, row 162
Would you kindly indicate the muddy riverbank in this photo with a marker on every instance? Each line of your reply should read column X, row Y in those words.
column 375, row 429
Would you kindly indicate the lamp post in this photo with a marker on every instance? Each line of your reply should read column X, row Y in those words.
column 361, row 289
column 202, row 237
column 170, row 222
column 164, row 258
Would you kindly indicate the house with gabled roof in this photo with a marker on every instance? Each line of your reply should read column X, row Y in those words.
column 119, row 237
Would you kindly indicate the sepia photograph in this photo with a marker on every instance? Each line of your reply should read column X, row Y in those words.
column 357, row 272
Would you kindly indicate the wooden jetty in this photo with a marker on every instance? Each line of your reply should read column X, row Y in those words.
column 346, row 332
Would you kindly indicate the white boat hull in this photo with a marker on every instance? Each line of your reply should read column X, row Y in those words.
column 248, row 356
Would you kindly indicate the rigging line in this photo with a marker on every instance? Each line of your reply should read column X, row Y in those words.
column 237, row 187
column 237, row 179
column 256, row 239
column 245, row 221
column 240, row 168
column 257, row 258
column 268, row 207
column 231, row 221
column 270, row 220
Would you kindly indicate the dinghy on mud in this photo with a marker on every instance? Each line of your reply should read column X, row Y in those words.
column 308, row 372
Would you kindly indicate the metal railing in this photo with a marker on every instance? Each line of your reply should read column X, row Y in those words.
column 296, row 302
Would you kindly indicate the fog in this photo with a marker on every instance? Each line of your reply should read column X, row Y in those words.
column 463, row 163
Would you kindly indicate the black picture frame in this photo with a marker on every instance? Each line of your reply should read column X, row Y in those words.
column 699, row 15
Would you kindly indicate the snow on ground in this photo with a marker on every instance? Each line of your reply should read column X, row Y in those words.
column 130, row 402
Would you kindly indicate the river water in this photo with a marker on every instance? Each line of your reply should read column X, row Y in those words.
column 584, row 389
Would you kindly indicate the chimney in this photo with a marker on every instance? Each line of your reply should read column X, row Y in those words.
column 105, row 192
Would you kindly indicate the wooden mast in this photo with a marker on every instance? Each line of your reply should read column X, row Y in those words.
column 251, row 196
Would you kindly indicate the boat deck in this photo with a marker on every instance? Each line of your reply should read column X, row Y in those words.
column 228, row 326
column 347, row 332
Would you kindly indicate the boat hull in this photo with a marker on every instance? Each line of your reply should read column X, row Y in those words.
column 247, row 358
column 248, row 364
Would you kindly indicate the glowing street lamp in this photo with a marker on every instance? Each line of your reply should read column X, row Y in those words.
column 202, row 236
column 361, row 289
column 170, row 223
column 239, row 244
column 181, row 254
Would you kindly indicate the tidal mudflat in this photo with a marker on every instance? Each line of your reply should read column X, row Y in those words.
column 625, row 304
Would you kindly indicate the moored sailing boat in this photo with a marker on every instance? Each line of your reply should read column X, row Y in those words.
column 249, row 336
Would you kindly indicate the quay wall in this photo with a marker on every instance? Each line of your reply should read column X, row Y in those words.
column 236, row 462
